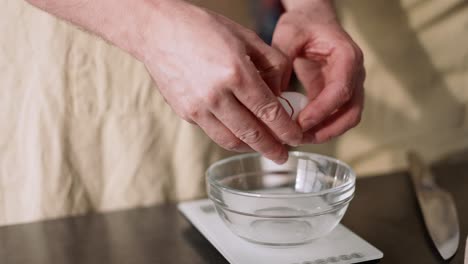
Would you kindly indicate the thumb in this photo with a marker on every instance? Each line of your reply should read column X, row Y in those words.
column 288, row 39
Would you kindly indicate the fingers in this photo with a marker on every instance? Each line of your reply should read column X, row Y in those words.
column 265, row 106
column 250, row 112
column 257, row 91
column 253, row 114
column 327, row 62
column 248, row 129
column 288, row 39
column 221, row 134
column 273, row 66
column 342, row 120
column 340, row 82
column 240, row 112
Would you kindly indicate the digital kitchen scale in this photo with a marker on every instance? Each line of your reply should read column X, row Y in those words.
column 341, row 246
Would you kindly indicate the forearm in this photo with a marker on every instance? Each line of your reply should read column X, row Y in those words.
column 122, row 22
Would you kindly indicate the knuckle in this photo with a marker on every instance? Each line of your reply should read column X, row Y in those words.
column 355, row 118
column 250, row 136
column 359, row 55
column 232, row 144
column 213, row 99
column 291, row 136
column 232, row 75
column 350, row 53
column 251, row 34
column 192, row 112
column 269, row 112
column 345, row 93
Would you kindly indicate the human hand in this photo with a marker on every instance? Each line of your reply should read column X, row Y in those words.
column 221, row 76
column 329, row 65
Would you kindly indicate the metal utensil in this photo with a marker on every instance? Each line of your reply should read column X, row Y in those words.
column 437, row 207
column 466, row 251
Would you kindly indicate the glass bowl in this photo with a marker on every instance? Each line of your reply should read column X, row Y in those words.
column 281, row 205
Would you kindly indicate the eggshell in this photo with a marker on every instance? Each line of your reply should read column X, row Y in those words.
column 293, row 103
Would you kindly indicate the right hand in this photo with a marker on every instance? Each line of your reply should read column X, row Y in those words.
column 221, row 76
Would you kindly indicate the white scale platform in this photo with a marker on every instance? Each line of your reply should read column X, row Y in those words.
column 341, row 246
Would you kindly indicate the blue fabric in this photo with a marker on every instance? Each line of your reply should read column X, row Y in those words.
column 266, row 14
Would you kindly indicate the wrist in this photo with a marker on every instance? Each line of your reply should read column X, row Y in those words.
column 318, row 8
column 133, row 30
column 156, row 25
column 296, row 4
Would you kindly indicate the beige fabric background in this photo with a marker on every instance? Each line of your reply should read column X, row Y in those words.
column 83, row 128
column 416, row 54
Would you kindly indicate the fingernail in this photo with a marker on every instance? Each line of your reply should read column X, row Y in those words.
column 307, row 124
column 308, row 139
column 294, row 137
column 297, row 142
column 283, row 158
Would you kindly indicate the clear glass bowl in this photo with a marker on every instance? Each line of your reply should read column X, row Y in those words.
column 281, row 205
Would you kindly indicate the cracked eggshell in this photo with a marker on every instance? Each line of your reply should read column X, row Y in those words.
column 293, row 103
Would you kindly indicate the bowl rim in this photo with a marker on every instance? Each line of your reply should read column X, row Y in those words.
column 345, row 186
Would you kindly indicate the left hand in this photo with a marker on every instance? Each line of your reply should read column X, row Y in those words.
column 328, row 63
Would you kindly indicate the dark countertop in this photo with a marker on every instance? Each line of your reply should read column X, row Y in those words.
column 384, row 212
